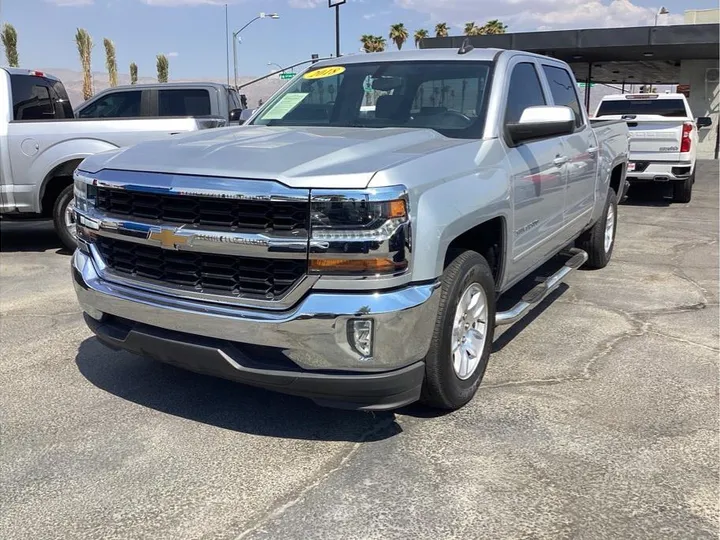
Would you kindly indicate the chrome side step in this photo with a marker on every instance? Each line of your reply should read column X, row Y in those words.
column 541, row 290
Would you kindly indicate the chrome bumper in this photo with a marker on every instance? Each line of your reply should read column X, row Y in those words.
column 313, row 334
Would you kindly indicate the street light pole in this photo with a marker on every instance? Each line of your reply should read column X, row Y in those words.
column 662, row 11
column 278, row 65
column 235, row 39
column 336, row 4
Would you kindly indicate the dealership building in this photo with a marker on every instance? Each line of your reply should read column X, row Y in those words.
column 684, row 56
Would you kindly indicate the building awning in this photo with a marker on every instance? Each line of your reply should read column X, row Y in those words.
column 634, row 55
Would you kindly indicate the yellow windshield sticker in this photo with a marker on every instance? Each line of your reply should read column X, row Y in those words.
column 324, row 72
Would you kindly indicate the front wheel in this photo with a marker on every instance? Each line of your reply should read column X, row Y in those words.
column 463, row 335
column 64, row 218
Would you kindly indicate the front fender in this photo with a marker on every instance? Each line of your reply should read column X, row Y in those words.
column 57, row 155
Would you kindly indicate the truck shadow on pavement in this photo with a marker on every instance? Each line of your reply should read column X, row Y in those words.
column 649, row 195
column 225, row 404
column 29, row 236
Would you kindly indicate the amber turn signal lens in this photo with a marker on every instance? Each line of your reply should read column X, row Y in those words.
column 397, row 209
column 369, row 266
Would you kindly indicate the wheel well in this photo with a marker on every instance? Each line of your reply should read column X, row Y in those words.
column 56, row 180
column 488, row 239
column 616, row 178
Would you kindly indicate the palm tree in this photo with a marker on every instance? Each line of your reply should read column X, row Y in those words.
column 133, row 73
column 470, row 28
column 493, row 27
column 398, row 34
column 379, row 44
column 9, row 41
column 420, row 35
column 110, row 62
column 163, row 68
column 367, row 42
column 441, row 30
column 84, row 46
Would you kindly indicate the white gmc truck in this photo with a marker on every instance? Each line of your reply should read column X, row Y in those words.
column 663, row 138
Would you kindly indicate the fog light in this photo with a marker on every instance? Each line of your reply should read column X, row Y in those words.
column 361, row 336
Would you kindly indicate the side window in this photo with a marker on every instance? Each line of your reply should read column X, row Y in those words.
column 524, row 91
column 184, row 102
column 63, row 108
column 456, row 95
column 563, row 91
column 31, row 98
column 114, row 105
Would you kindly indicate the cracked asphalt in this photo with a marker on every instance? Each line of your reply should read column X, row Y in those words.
column 598, row 418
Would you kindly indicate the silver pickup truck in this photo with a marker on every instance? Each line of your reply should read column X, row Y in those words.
column 41, row 143
column 352, row 256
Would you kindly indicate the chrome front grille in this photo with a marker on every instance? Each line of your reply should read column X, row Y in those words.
column 221, row 240
column 203, row 272
column 219, row 212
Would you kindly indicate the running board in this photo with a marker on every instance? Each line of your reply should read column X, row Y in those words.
column 541, row 290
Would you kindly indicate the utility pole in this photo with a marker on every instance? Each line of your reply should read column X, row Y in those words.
column 336, row 4
column 227, row 45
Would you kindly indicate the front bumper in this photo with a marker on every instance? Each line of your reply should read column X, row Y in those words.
column 312, row 337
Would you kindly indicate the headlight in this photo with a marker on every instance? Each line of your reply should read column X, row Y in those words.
column 85, row 191
column 359, row 232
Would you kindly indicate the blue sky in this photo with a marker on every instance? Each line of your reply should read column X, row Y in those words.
column 193, row 31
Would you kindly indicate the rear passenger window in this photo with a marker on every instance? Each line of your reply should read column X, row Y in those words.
column 524, row 91
column 563, row 91
column 114, row 105
column 184, row 102
column 31, row 98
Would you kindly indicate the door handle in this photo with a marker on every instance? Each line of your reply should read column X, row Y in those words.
column 592, row 150
column 561, row 160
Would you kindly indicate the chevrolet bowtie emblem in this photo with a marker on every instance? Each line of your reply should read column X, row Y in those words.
column 168, row 238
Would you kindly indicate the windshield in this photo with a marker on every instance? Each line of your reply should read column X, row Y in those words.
column 448, row 97
column 661, row 107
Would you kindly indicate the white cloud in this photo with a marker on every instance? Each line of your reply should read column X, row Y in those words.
column 71, row 3
column 176, row 3
column 172, row 54
column 305, row 4
column 541, row 14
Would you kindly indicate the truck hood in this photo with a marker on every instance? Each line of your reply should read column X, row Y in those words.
column 298, row 157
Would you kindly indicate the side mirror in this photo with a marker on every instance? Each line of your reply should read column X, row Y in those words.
column 542, row 122
column 704, row 121
column 235, row 115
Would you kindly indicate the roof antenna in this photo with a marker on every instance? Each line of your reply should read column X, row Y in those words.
column 466, row 46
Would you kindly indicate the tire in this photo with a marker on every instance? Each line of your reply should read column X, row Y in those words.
column 682, row 191
column 592, row 241
column 444, row 388
column 65, row 232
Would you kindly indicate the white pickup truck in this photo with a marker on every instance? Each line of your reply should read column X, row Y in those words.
column 663, row 138
column 41, row 144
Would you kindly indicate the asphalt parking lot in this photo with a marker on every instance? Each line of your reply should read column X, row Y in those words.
column 598, row 418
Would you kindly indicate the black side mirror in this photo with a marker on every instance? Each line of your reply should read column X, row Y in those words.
column 235, row 115
column 704, row 121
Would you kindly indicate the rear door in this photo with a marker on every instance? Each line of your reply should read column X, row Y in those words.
column 581, row 148
column 655, row 125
